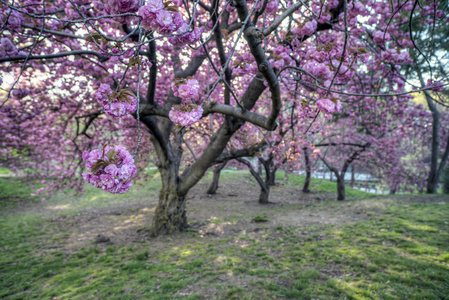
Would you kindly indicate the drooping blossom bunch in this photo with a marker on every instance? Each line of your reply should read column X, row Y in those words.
column 110, row 169
column 185, row 115
column 186, row 89
column 160, row 17
column 329, row 106
column 116, row 104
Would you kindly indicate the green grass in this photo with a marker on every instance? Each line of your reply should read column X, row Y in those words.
column 5, row 171
column 401, row 252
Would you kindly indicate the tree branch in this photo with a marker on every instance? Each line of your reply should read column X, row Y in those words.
column 101, row 58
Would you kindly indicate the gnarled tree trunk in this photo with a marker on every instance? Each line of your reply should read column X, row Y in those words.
column 170, row 214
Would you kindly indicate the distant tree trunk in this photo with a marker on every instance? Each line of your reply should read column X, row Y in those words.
column 264, row 187
column 341, row 175
column 352, row 176
column 340, row 186
column 214, row 184
column 270, row 170
column 435, row 169
column 432, row 179
column 392, row 191
column 306, row 185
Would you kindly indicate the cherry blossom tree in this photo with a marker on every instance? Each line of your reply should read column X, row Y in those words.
column 81, row 77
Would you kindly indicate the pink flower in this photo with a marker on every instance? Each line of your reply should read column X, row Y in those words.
column 148, row 13
column 20, row 93
column 116, row 7
column 185, row 116
column 164, row 20
column 307, row 29
column 118, row 107
column 380, row 37
column 85, row 155
column 326, row 105
column 126, row 171
column 103, row 94
column 15, row 19
column 187, row 90
column 436, row 86
column 116, row 110
column 7, row 48
column 154, row 5
column 114, row 168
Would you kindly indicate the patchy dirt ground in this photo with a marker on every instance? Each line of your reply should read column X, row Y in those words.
column 228, row 213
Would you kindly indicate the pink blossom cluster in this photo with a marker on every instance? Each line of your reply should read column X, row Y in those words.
column 189, row 37
column 156, row 17
column 328, row 106
column 380, row 37
column 437, row 86
column 13, row 18
column 185, row 115
column 186, row 89
column 110, row 169
column 7, row 48
column 397, row 58
column 307, row 29
column 116, row 7
column 115, row 108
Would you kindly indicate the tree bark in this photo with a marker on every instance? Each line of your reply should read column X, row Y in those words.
column 306, row 185
column 270, row 175
column 340, row 187
column 264, row 194
column 434, row 174
column 432, row 179
column 170, row 215
column 214, row 184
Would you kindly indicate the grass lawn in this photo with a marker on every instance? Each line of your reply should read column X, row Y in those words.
column 399, row 250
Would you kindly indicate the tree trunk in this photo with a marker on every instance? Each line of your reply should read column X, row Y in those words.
column 264, row 187
column 306, row 186
column 214, row 184
column 170, row 215
column 340, row 187
column 264, row 194
column 433, row 178
column 352, row 176
column 271, row 177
